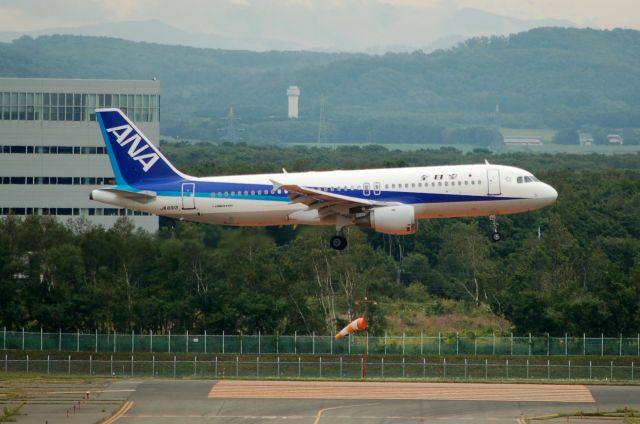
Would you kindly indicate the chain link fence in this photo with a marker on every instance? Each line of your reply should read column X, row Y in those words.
column 330, row 368
column 441, row 344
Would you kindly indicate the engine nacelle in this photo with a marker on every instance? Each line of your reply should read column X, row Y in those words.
column 400, row 220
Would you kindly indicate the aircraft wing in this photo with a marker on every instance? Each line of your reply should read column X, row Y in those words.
column 311, row 196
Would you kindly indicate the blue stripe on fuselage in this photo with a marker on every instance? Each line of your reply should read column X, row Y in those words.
column 173, row 188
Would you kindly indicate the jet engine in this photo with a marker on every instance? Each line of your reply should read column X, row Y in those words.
column 400, row 220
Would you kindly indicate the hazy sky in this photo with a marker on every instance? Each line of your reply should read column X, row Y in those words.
column 311, row 22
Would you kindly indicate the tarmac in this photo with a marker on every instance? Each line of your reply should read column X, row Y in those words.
column 245, row 401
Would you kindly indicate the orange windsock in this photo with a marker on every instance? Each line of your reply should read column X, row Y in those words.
column 357, row 325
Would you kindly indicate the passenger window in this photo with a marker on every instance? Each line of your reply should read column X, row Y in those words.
column 439, row 183
column 466, row 182
column 519, row 180
column 473, row 182
column 446, row 183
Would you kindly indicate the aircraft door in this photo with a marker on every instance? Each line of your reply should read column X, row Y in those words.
column 376, row 189
column 366, row 189
column 493, row 180
column 188, row 196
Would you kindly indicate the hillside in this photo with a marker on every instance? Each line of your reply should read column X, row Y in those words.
column 546, row 77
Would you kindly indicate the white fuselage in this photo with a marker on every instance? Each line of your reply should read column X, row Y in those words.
column 434, row 192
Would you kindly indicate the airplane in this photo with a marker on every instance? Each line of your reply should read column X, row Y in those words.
column 390, row 201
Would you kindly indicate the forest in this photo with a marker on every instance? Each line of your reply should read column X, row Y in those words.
column 572, row 267
column 559, row 78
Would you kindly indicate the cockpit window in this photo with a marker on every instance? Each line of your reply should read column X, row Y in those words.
column 527, row 179
column 535, row 179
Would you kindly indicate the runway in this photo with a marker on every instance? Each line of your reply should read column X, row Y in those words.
column 130, row 401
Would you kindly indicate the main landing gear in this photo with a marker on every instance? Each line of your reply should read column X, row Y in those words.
column 338, row 242
column 494, row 225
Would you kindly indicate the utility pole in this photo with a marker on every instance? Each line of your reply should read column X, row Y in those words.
column 366, row 303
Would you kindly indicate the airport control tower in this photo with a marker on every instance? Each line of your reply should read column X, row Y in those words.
column 293, row 92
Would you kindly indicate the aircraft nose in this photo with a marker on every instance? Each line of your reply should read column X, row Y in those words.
column 550, row 194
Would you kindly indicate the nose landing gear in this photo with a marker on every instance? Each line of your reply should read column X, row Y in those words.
column 494, row 225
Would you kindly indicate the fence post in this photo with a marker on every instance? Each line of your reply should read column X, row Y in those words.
column 78, row 341
column 96, row 340
column 40, row 338
column 424, row 367
column 295, row 342
column 601, row 344
column 259, row 347
column 299, row 366
column 486, row 369
column 439, row 344
column 494, row 343
column 205, row 341
column 620, row 352
column 174, row 366
column 150, row 340
column 223, row 342
column 548, row 344
column 475, row 344
column 511, row 344
column 611, row 372
column 60, row 340
column 566, row 344
column 584, row 344
column 403, row 339
column 169, row 341
column 277, row 344
column 548, row 369
column 187, row 336
column 530, row 341
column 90, row 365
column 349, row 344
column 69, row 367
column 421, row 343
column 457, row 344
column 48, row 364
column 22, row 338
column 114, row 340
column 313, row 342
column 132, row 341
column 385, row 342
column 241, row 343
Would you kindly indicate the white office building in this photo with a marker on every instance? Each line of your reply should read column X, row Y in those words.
column 293, row 94
column 51, row 152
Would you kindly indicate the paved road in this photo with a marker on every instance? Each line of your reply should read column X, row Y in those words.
column 238, row 401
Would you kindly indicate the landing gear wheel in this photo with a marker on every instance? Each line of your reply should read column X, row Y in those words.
column 494, row 225
column 338, row 242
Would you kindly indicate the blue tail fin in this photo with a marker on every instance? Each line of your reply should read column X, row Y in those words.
column 133, row 158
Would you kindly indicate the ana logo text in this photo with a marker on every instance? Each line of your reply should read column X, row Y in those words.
column 141, row 153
